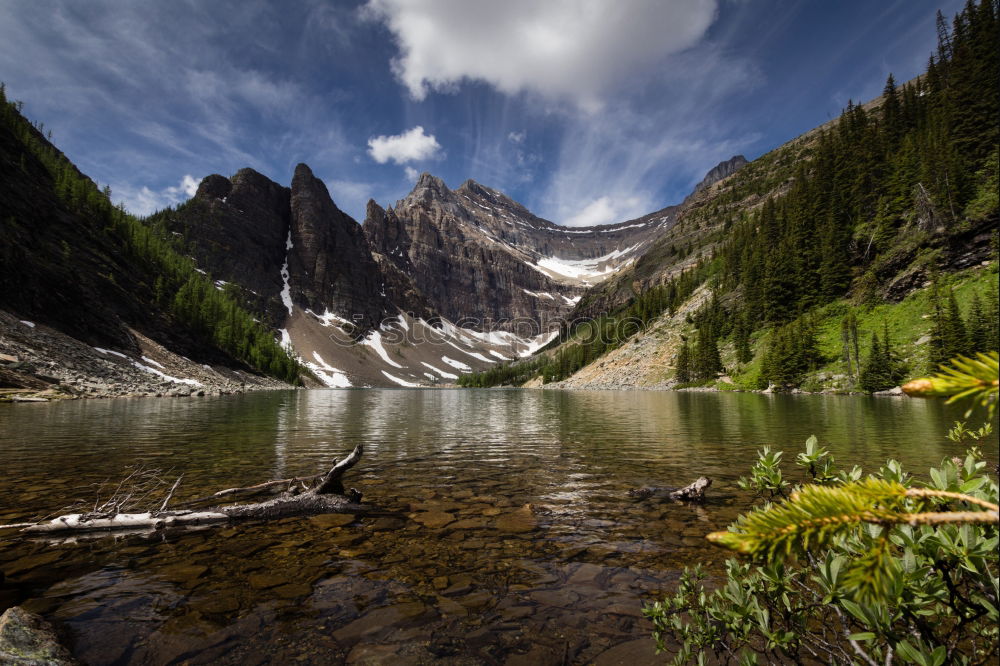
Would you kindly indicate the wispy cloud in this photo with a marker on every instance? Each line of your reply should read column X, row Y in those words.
column 637, row 158
column 165, row 92
column 144, row 201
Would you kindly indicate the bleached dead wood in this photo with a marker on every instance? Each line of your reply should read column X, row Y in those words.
column 327, row 496
column 693, row 492
column 260, row 487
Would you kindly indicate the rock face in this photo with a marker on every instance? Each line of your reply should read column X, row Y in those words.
column 237, row 229
column 390, row 248
column 470, row 272
column 248, row 230
column 482, row 259
column 330, row 264
column 722, row 170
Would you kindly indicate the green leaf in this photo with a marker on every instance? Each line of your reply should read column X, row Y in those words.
column 854, row 609
column 908, row 652
column 939, row 479
column 862, row 636
column 973, row 485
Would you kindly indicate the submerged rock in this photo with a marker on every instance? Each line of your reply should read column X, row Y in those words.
column 26, row 639
column 518, row 521
column 433, row 519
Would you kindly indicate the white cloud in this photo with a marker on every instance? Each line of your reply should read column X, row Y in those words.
column 410, row 146
column 517, row 137
column 605, row 210
column 574, row 49
column 189, row 186
column 144, row 201
column 411, row 174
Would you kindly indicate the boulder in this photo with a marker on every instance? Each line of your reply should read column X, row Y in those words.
column 26, row 639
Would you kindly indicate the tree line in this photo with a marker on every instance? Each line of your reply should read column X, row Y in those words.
column 188, row 296
column 881, row 179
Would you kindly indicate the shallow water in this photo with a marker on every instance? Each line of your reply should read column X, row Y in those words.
column 504, row 533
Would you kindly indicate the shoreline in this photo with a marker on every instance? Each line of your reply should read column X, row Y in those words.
column 42, row 364
column 894, row 392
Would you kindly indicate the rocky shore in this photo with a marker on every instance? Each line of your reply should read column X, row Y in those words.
column 38, row 364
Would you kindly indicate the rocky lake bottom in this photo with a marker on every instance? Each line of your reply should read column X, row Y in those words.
column 501, row 530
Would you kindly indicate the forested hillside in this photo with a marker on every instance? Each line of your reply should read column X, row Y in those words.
column 74, row 261
column 894, row 196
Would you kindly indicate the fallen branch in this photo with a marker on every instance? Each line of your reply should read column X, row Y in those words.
column 328, row 496
column 693, row 492
column 260, row 487
column 166, row 500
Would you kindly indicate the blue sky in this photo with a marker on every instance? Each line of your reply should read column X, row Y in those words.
column 586, row 111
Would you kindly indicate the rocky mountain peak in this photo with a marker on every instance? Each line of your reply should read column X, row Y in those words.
column 214, row 187
column 473, row 187
column 492, row 197
column 373, row 210
column 236, row 230
column 428, row 189
column 302, row 170
column 722, row 170
column 384, row 232
column 428, row 179
column 248, row 177
column 330, row 264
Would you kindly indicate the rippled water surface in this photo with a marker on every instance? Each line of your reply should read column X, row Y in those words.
column 503, row 532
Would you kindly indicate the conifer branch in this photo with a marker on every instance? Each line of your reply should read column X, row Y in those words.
column 814, row 515
column 939, row 518
column 944, row 494
column 977, row 378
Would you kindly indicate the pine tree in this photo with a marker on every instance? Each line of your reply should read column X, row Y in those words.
column 956, row 336
column 741, row 339
column 979, row 327
column 874, row 374
column 937, row 351
column 849, row 346
column 683, row 363
column 706, row 362
column 891, row 112
column 993, row 317
column 883, row 369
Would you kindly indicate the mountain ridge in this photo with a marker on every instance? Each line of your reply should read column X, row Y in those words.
column 873, row 209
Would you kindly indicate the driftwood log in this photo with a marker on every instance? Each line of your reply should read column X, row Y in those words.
column 326, row 496
column 694, row 492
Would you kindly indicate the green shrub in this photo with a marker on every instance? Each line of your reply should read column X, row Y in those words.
column 855, row 569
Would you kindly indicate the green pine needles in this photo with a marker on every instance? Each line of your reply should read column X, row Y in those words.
column 967, row 378
column 815, row 515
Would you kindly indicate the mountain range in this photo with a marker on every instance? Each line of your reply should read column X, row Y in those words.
column 256, row 283
column 443, row 283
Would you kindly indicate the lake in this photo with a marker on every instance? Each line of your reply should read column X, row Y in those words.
column 503, row 533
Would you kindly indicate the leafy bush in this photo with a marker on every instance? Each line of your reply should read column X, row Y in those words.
column 853, row 569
